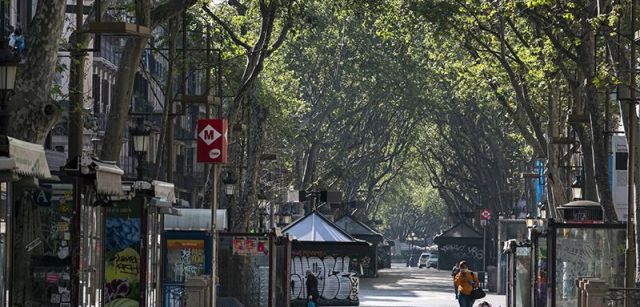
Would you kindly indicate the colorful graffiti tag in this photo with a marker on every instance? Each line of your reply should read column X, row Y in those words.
column 185, row 259
column 336, row 278
column 122, row 248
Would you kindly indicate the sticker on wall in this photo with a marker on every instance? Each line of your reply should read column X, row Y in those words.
column 239, row 246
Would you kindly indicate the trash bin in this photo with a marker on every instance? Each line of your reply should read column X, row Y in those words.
column 492, row 283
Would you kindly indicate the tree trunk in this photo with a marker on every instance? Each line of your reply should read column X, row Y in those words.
column 31, row 109
column 168, row 120
column 586, row 64
column 558, row 196
column 255, row 139
column 119, row 113
column 310, row 166
column 130, row 58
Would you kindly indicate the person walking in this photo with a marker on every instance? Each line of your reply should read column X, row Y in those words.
column 466, row 281
column 455, row 272
column 312, row 289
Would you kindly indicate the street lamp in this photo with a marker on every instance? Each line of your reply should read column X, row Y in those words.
column 229, row 181
column 286, row 217
column 576, row 188
column 8, row 68
column 140, row 136
column 530, row 221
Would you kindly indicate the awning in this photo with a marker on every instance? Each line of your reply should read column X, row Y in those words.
column 107, row 175
column 196, row 220
column 164, row 190
column 29, row 158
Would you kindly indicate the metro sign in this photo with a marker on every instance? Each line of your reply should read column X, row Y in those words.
column 485, row 214
column 212, row 140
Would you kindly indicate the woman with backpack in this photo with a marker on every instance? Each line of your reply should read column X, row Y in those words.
column 466, row 281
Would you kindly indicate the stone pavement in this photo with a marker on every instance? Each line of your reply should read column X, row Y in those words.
column 408, row 287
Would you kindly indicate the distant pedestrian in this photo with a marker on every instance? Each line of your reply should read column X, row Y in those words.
column 466, row 281
column 312, row 289
column 455, row 272
column 484, row 304
column 16, row 41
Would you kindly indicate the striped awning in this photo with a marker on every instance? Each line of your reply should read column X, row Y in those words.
column 29, row 158
column 108, row 177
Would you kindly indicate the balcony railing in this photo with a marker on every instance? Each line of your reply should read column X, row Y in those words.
column 616, row 297
column 593, row 291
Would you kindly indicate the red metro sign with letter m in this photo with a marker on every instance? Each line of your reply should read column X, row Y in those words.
column 212, row 140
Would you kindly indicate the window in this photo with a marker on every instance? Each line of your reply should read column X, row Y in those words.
column 621, row 161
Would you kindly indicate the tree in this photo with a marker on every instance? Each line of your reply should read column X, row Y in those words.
column 146, row 15
column 32, row 110
column 246, row 106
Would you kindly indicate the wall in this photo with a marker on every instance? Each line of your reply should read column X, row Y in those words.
column 338, row 276
column 451, row 253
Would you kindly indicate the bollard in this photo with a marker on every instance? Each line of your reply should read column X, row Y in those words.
column 581, row 294
column 578, row 283
column 197, row 289
column 492, row 283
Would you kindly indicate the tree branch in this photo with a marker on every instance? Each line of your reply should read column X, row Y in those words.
column 288, row 23
column 169, row 10
column 228, row 29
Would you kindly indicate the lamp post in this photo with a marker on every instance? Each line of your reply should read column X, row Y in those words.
column 140, row 136
column 411, row 239
column 8, row 68
column 576, row 188
column 229, row 181
column 284, row 214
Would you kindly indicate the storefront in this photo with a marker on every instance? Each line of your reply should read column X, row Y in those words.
column 51, row 255
column 133, row 253
column 332, row 254
column 517, row 255
column 187, row 251
column 563, row 252
column 21, row 165
column 508, row 229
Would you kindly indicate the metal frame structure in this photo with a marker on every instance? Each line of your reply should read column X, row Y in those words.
column 550, row 235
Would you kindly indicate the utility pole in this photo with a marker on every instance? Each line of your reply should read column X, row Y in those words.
column 76, row 127
column 631, row 219
column 215, row 169
column 170, row 114
column 631, row 254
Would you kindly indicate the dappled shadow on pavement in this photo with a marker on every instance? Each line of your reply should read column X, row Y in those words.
column 412, row 287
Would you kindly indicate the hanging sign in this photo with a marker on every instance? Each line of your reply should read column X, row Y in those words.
column 212, row 140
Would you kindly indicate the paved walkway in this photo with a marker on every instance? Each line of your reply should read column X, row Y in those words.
column 412, row 287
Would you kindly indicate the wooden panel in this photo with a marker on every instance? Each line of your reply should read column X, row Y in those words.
column 119, row 28
column 203, row 99
column 562, row 140
column 578, row 118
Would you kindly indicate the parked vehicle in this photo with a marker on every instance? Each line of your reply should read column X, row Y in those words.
column 432, row 261
column 422, row 262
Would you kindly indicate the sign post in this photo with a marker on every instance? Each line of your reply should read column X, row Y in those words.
column 485, row 217
column 212, row 148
